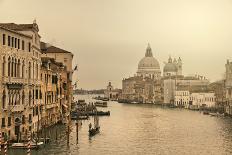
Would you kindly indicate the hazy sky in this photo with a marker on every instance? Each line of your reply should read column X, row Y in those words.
column 109, row 37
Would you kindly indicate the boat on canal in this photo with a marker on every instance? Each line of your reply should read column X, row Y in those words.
column 33, row 145
column 100, row 104
column 96, row 129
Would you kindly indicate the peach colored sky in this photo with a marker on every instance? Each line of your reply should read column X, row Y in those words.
column 109, row 37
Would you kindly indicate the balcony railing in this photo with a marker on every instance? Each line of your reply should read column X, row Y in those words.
column 49, row 106
column 17, row 80
column 16, row 108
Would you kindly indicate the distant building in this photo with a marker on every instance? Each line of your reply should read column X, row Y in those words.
column 111, row 93
column 145, row 86
column 188, row 83
column 203, row 100
column 182, row 98
column 196, row 100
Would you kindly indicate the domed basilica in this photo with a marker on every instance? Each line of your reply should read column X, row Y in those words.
column 149, row 66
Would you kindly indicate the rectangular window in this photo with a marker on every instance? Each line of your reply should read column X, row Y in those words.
column 36, row 93
column 29, row 47
column 8, row 40
column 3, row 122
column 12, row 41
column 22, row 44
column 30, row 118
column 23, row 119
column 18, row 43
column 9, row 121
column 4, row 39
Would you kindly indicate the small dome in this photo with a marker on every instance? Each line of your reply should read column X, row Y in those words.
column 170, row 67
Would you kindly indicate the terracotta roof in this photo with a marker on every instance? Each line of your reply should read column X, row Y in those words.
column 20, row 27
column 47, row 48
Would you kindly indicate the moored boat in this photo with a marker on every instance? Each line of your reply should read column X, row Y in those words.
column 100, row 104
column 33, row 145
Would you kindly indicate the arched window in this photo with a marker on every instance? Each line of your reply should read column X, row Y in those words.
column 23, row 67
column 18, row 68
column 23, row 98
column 4, row 100
column 30, row 96
column 9, row 66
column 3, row 66
column 29, row 70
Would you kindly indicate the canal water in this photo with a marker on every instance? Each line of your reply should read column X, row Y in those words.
column 144, row 129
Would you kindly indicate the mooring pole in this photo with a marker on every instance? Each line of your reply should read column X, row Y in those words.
column 77, row 129
column 29, row 144
column 5, row 148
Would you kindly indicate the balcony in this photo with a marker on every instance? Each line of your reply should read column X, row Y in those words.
column 31, row 81
column 16, row 108
column 12, row 80
column 49, row 106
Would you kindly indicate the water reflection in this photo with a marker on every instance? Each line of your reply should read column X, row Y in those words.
column 145, row 129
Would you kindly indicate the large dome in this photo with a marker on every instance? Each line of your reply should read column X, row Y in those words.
column 148, row 64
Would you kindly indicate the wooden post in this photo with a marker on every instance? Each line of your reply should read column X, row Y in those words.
column 77, row 130
column 5, row 148
column 68, row 133
column 56, row 133
column 0, row 141
column 29, row 143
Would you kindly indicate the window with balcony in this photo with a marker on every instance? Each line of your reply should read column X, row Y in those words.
column 3, row 39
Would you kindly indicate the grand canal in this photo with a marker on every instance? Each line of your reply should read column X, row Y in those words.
column 145, row 129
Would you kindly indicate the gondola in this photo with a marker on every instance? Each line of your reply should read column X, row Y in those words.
column 96, row 129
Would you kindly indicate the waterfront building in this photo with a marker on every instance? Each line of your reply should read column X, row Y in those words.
column 138, row 89
column 188, row 83
column 65, row 57
column 203, row 100
column 194, row 100
column 173, row 68
column 111, row 93
column 53, row 87
column 33, row 93
column 181, row 98
column 20, row 80
column 228, row 87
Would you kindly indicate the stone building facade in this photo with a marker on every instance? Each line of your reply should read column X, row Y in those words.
column 23, row 78
column 20, row 81
column 145, row 86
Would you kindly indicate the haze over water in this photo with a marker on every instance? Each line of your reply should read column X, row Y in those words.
column 147, row 129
